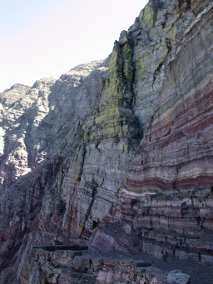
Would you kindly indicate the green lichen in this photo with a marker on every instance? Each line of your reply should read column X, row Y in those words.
column 141, row 68
column 113, row 63
column 147, row 16
column 110, row 112
column 112, row 89
column 109, row 121
column 127, row 58
column 172, row 33
column 142, row 63
column 127, row 53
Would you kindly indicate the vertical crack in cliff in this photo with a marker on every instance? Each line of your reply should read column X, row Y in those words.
column 94, row 188
column 128, row 70
column 84, row 152
column 158, row 69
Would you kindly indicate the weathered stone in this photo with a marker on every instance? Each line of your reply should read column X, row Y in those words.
column 169, row 179
column 177, row 277
column 81, row 263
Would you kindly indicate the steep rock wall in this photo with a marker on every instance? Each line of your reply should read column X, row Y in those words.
column 165, row 205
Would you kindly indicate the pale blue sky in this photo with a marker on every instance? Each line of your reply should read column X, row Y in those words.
column 42, row 38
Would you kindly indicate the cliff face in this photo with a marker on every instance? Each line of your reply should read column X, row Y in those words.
column 167, row 200
column 126, row 142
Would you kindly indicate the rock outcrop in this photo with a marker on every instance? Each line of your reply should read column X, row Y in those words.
column 118, row 152
column 167, row 198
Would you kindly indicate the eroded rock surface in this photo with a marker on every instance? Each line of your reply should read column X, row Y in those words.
column 166, row 200
column 79, row 266
column 119, row 152
column 178, row 277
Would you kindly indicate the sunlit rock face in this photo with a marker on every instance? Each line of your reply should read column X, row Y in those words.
column 167, row 197
column 119, row 151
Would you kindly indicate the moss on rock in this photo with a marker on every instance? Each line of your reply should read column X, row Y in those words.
column 109, row 121
column 147, row 16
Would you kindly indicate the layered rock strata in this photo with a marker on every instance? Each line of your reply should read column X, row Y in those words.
column 166, row 203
